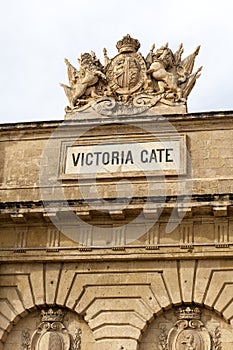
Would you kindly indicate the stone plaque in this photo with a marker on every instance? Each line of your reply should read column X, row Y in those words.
column 164, row 157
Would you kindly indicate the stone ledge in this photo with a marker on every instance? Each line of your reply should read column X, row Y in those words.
column 72, row 122
column 213, row 205
column 122, row 253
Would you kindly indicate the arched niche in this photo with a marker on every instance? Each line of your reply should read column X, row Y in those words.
column 39, row 331
column 173, row 330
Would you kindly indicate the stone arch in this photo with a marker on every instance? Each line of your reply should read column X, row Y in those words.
column 24, row 331
column 157, row 333
column 116, row 302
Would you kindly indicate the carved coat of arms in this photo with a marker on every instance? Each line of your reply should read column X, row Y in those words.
column 126, row 73
column 51, row 334
column 189, row 332
column 130, row 83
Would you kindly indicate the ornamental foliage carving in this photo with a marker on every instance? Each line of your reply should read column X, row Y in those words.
column 25, row 340
column 130, row 83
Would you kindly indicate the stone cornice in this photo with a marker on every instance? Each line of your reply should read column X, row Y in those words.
column 118, row 253
column 212, row 115
column 213, row 205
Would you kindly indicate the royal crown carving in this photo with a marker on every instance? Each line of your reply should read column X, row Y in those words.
column 188, row 313
column 52, row 315
column 128, row 44
column 129, row 83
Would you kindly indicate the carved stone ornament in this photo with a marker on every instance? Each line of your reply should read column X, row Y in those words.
column 189, row 332
column 129, row 83
column 51, row 334
column 76, row 340
column 25, row 339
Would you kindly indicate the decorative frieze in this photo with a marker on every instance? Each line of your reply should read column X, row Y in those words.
column 221, row 232
column 186, row 234
column 21, row 238
column 53, row 238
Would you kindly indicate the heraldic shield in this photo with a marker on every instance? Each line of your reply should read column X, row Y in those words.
column 126, row 73
column 189, row 332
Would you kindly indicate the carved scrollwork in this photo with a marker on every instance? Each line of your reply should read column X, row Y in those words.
column 110, row 107
column 104, row 105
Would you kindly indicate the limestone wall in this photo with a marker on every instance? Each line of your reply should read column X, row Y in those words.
column 67, row 284
column 209, row 144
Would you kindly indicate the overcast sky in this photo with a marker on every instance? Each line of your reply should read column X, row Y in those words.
column 36, row 35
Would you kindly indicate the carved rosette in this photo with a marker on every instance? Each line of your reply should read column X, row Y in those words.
column 51, row 334
column 189, row 332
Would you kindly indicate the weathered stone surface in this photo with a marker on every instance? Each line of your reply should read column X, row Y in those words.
column 108, row 300
column 30, row 323
column 121, row 295
column 157, row 332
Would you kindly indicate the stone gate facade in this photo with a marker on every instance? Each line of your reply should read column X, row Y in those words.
column 116, row 224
